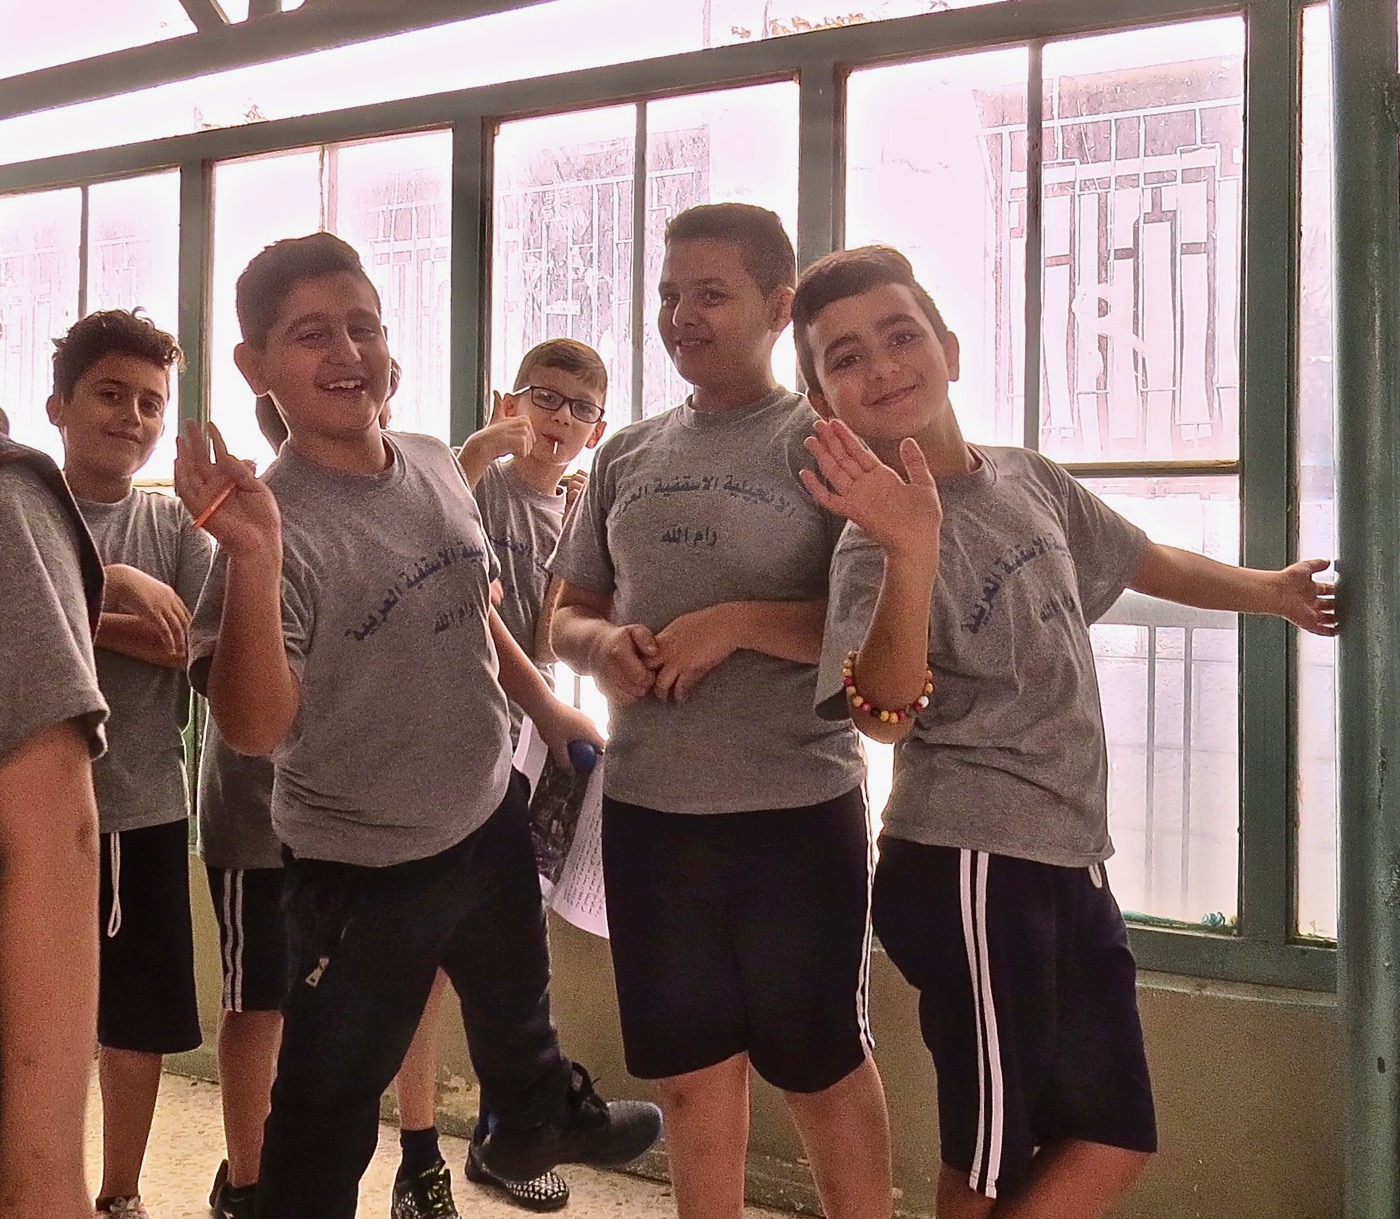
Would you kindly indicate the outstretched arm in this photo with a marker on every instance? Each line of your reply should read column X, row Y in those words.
column 1193, row 579
column 904, row 518
column 253, row 693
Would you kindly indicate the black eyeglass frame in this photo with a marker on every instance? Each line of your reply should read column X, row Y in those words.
column 580, row 408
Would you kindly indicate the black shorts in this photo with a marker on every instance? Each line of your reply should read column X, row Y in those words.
column 742, row 933
column 146, row 998
column 252, row 937
column 1027, row 999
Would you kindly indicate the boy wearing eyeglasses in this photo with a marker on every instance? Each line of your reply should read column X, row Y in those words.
column 552, row 415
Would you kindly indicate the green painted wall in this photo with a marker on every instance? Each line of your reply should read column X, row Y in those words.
column 1246, row 1079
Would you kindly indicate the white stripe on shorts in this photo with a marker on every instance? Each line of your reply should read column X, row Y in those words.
column 991, row 1090
column 233, row 940
column 241, row 944
column 863, row 988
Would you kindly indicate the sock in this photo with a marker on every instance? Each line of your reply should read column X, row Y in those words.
column 240, row 1194
column 420, row 1152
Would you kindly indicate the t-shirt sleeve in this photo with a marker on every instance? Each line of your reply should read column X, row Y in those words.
column 1107, row 548
column 857, row 568
column 582, row 556
column 47, row 674
column 297, row 621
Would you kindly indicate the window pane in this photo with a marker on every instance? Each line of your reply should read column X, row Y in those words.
column 389, row 199
column 737, row 146
column 392, row 200
column 256, row 202
column 562, row 256
column 39, row 236
column 1143, row 146
column 62, row 31
column 936, row 166
column 1169, row 680
column 134, row 262
column 1317, row 522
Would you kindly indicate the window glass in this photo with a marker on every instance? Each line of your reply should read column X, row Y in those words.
column 1143, row 149
column 134, row 262
column 61, row 31
column 1317, row 520
column 1169, row 683
column 936, row 167
column 39, row 239
column 562, row 255
column 390, row 199
column 735, row 146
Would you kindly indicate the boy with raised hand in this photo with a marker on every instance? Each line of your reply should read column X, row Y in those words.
column 552, row 415
column 51, row 716
column 348, row 631
column 736, row 845
column 991, row 895
column 111, row 386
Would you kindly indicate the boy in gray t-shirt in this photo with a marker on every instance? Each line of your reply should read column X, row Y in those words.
column 111, row 385
column 347, row 631
column 51, row 716
column 959, row 627
column 736, row 846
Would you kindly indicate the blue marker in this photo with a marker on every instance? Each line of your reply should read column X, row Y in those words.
column 583, row 756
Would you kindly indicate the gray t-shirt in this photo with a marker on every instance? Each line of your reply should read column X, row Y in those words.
column 687, row 510
column 523, row 525
column 400, row 747
column 1009, row 756
column 141, row 781
column 235, row 807
column 47, row 674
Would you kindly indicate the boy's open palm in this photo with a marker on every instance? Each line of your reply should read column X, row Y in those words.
column 1309, row 604
column 904, row 517
column 247, row 521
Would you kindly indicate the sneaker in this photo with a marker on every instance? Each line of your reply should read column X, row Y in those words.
column 122, row 1208
column 588, row 1131
column 222, row 1205
column 547, row 1193
column 426, row 1196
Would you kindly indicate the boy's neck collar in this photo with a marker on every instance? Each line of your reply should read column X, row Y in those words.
column 96, row 488
column 370, row 455
column 539, row 475
column 741, row 392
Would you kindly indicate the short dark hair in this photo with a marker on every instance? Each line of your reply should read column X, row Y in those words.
column 274, row 274
column 764, row 246
column 847, row 273
column 122, row 332
column 567, row 355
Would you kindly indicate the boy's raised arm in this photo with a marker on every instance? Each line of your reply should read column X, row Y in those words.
column 1192, row 579
column 503, row 436
column 252, row 692
column 890, row 668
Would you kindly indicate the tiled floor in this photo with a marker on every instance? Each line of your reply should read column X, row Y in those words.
column 187, row 1143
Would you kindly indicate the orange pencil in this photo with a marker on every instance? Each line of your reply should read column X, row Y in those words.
column 218, row 502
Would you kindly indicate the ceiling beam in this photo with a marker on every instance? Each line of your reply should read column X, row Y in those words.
column 206, row 14
column 315, row 27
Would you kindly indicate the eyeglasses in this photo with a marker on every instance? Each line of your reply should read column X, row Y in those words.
column 551, row 400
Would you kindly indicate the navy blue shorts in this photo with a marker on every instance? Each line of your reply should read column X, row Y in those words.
column 1027, row 1000
column 146, row 997
column 252, row 937
column 742, row 933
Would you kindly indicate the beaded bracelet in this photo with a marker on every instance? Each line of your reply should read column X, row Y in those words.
column 859, row 701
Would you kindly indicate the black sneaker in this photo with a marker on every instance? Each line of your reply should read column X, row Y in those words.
column 588, row 1131
column 547, row 1193
column 222, row 1205
column 426, row 1196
